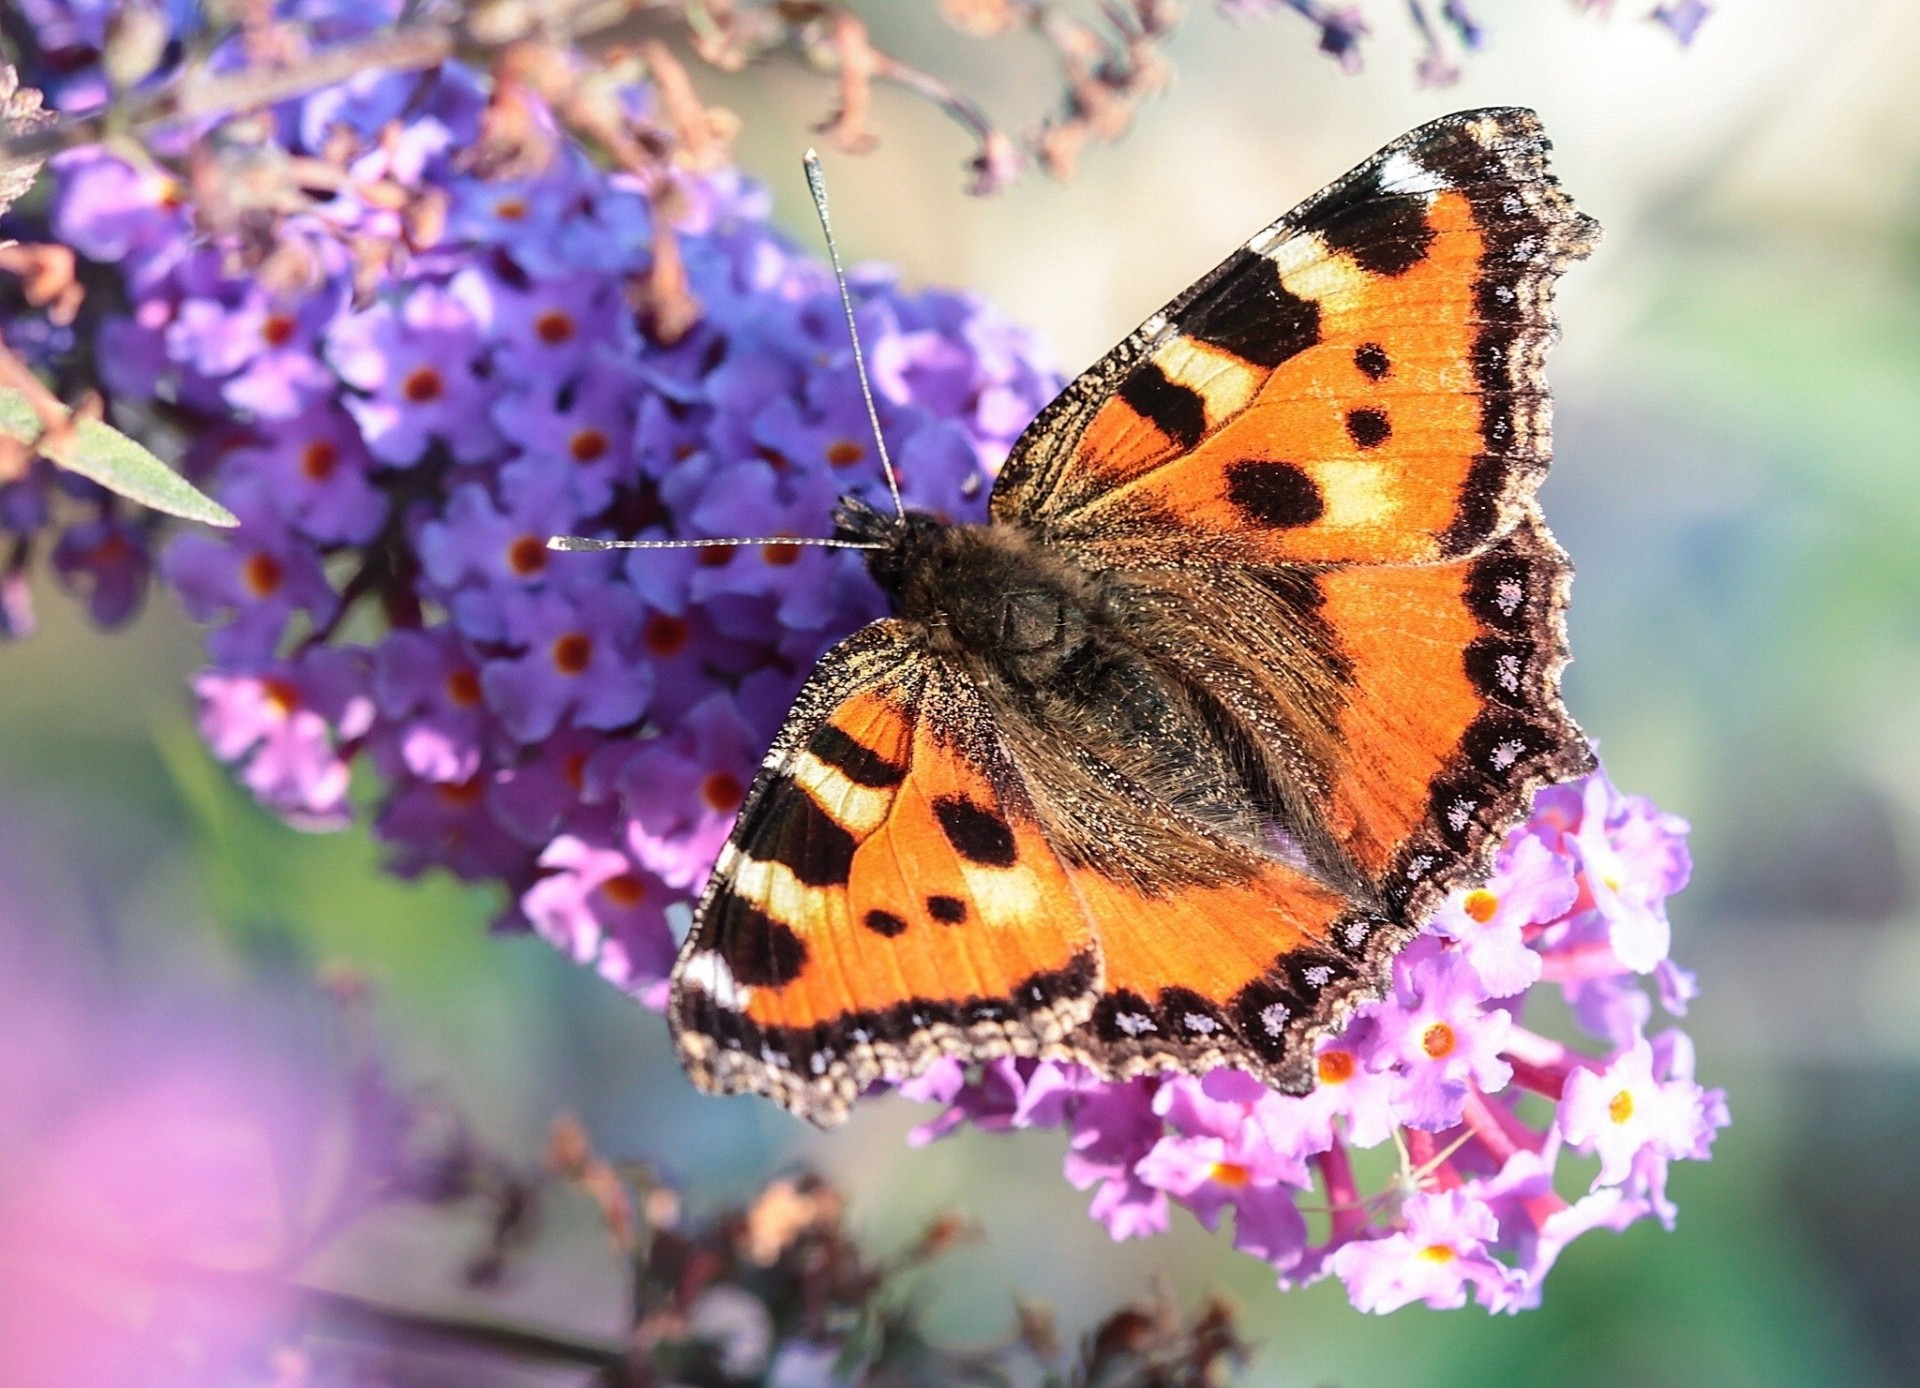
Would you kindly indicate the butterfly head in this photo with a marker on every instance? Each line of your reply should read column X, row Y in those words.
column 896, row 545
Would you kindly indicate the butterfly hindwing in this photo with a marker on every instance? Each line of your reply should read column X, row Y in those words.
column 887, row 896
column 1360, row 383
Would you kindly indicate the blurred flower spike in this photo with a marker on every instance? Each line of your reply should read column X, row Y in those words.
column 442, row 319
column 1479, row 1198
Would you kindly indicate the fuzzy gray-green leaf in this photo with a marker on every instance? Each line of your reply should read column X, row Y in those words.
column 107, row 456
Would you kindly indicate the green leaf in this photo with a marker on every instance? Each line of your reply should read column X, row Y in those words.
column 107, row 456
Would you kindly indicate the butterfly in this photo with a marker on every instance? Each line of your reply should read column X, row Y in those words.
column 1255, row 659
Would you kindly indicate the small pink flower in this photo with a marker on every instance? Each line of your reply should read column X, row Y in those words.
column 1441, row 1251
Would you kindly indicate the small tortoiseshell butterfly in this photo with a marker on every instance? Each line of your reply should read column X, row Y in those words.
column 1257, row 657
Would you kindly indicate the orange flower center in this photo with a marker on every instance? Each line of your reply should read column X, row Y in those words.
column 463, row 688
column 1621, row 1108
column 665, row 636
column 714, row 556
column 263, row 575
column 780, row 556
column 625, row 891
column 1438, row 1253
column 283, row 696
column 462, row 794
column 277, row 330
column 845, row 452
column 1231, row 1173
column 318, row 460
column 510, row 209
column 1438, row 1040
column 554, row 327
column 423, row 385
column 1481, row 904
column 527, row 556
column 572, row 653
column 1336, row 1067
column 574, row 768
column 722, row 792
column 589, row 445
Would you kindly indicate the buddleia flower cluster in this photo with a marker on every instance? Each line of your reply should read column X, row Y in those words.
column 1475, row 1197
column 399, row 449
column 441, row 358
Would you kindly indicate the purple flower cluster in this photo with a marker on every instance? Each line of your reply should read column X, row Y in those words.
column 1480, row 1198
column 578, row 727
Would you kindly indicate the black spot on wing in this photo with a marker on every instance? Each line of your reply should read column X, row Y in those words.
column 1368, row 428
column 978, row 835
column 792, row 830
column 1275, row 494
column 859, row 764
column 1175, row 410
column 1371, row 358
column 1248, row 312
column 1382, row 233
column 760, row 951
column 884, row 923
column 948, row 910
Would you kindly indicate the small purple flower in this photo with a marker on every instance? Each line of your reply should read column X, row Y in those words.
column 1438, row 1039
column 427, row 686
column 684, row 789
column 287, row 726
column 257, row 578
column 1625, row 1110
column 1442, row 1250
column 597, row 907
column 1220, row 1156
column 539, row 331
column 481, row 552
column 448, row 824
column 1530, row 886
column 417, row 365
column 265, row 354
column 1114, row 1127
column 316, row 474
column 1633, row 856
column 587, row 428
column 575, row 660
column 105, row 561
column 1683, row 18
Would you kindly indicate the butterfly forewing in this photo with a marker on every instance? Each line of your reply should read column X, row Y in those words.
column 1360, row 383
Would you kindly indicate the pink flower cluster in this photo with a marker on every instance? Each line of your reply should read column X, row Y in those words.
column 1478, row 1199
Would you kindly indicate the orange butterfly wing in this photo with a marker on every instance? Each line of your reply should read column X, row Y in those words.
column 1360, row 383
column 886, row 898
column 1316, row 471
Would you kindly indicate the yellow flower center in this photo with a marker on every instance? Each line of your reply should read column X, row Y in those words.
column 1621, row 1109
column 1438, row 1253
column 1438, row 1040
column 1231, row 1173
column 1481, row 904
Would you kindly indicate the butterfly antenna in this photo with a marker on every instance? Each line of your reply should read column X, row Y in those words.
column 817, row 186
column 587, row 544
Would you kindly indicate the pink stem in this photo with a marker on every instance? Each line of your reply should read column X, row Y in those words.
column 1580, row 963
column 1349, row 1217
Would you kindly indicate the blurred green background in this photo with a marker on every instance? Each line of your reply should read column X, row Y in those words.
column 1739, row 410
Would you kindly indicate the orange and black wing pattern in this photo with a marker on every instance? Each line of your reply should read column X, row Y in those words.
column 1310, row 483
column 1360, row 383
column 887, row 896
